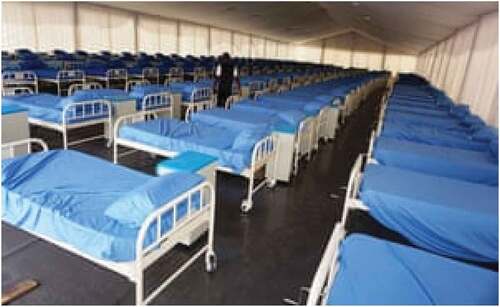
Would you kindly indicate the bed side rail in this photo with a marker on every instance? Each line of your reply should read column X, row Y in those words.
column 146, row 255
column 83, row 86
column 327, row 269
column 175, row 74
column 9, row 148
column 25, row 77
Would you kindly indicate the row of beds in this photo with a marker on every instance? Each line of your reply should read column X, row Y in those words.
column 125, row 220
column 431, row 176
column 24, row 67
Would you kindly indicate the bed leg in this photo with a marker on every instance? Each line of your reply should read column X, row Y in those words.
column 115, row 152
column 139, row 287
column 210, row 256
column 65, row 138
column 247, row 204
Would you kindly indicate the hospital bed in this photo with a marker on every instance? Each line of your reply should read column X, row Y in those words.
column 108, row 76
column 293, row 132
column 447, row 216
column 195, row 96
column 120, row 219
column 86, row 108
column 363, row 270
column 19, row 79
column 242, row 152
column 150, row 74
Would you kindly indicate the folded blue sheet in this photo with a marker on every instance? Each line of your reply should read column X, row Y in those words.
column 40, row 195
column 449, row 217
column 377, row 272
column 178, row 136
column 467, row 165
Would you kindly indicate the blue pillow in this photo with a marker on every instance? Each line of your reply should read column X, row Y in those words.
column 292, row 117
column 246, row 139
column 133, row 207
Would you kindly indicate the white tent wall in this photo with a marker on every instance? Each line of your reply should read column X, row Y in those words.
column 351, row 49
column 95, row 27
column 465, row 66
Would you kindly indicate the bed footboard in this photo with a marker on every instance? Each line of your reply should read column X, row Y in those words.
column 263, row 151
column 9, row 149
column 156, row 103
column 20, row 78
column 162, row 243
column 116, row 74
column 304, row 142
column 69, row 77
column 86, row 113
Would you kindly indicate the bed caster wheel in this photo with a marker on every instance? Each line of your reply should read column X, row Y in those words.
column 246, row 205
column 271, row 183
column 210, row 262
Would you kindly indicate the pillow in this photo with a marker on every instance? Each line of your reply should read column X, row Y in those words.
column 292, row 117
column 246, row 139
column 134, row 206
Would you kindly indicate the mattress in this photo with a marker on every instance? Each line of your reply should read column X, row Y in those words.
column 46, row 73
column 432, row 136
column 187, row 88
column 425, row 120
column 376, row 272
column 272, row 107
column 309, row 106
column 41, row 196
column 247, row 119
column 178, row 136
column 47, row 107
column 449, row 217
column 467, row 165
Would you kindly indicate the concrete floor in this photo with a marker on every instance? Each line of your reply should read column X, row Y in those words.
column 264, row 256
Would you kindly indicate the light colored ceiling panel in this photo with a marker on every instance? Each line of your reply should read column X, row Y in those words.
column 408, row 26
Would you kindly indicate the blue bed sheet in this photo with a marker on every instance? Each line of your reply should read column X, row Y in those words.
column 46, row 107
column 140, row 91
column 425, row 120
column 378, row 272
column 187, row 88
column 237, row 120
column 178, row 136
column 40, row 195
column 271, row 107
column 432, row 136
column 449, row 217
column 467, row 165
column 308, row 106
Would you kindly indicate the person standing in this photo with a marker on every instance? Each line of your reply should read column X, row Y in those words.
column 225, row 74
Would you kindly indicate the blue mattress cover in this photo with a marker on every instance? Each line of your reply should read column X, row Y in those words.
column 449, row 217
column 46, row 73
column 432, row 136
column 187, row 88
column 8, row 108
column 377, row 272
column 272, row 107
column 44, row 107
column 418, row 111
column 430, row 121
column 308, row 106
column 247, row 119
column 113, row 95
column 139, row 91
column 178, row 136
column 40, row 195
column 467, row 165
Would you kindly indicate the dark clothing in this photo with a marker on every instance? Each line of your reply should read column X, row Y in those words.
column 225, row 80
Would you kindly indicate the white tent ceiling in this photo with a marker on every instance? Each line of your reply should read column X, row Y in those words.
column 408, row 26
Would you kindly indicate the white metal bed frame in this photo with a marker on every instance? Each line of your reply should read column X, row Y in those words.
column 148, row 73
column 263, row 152
column 202, row 98
column 83, row 86
column 163, row 243
column 112, row 75
column 131, row 83
column 23, row 78
column 175, row 74
column 65, row 77
column 328, row 267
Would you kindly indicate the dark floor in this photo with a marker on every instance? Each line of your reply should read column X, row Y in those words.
column 264, row 256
